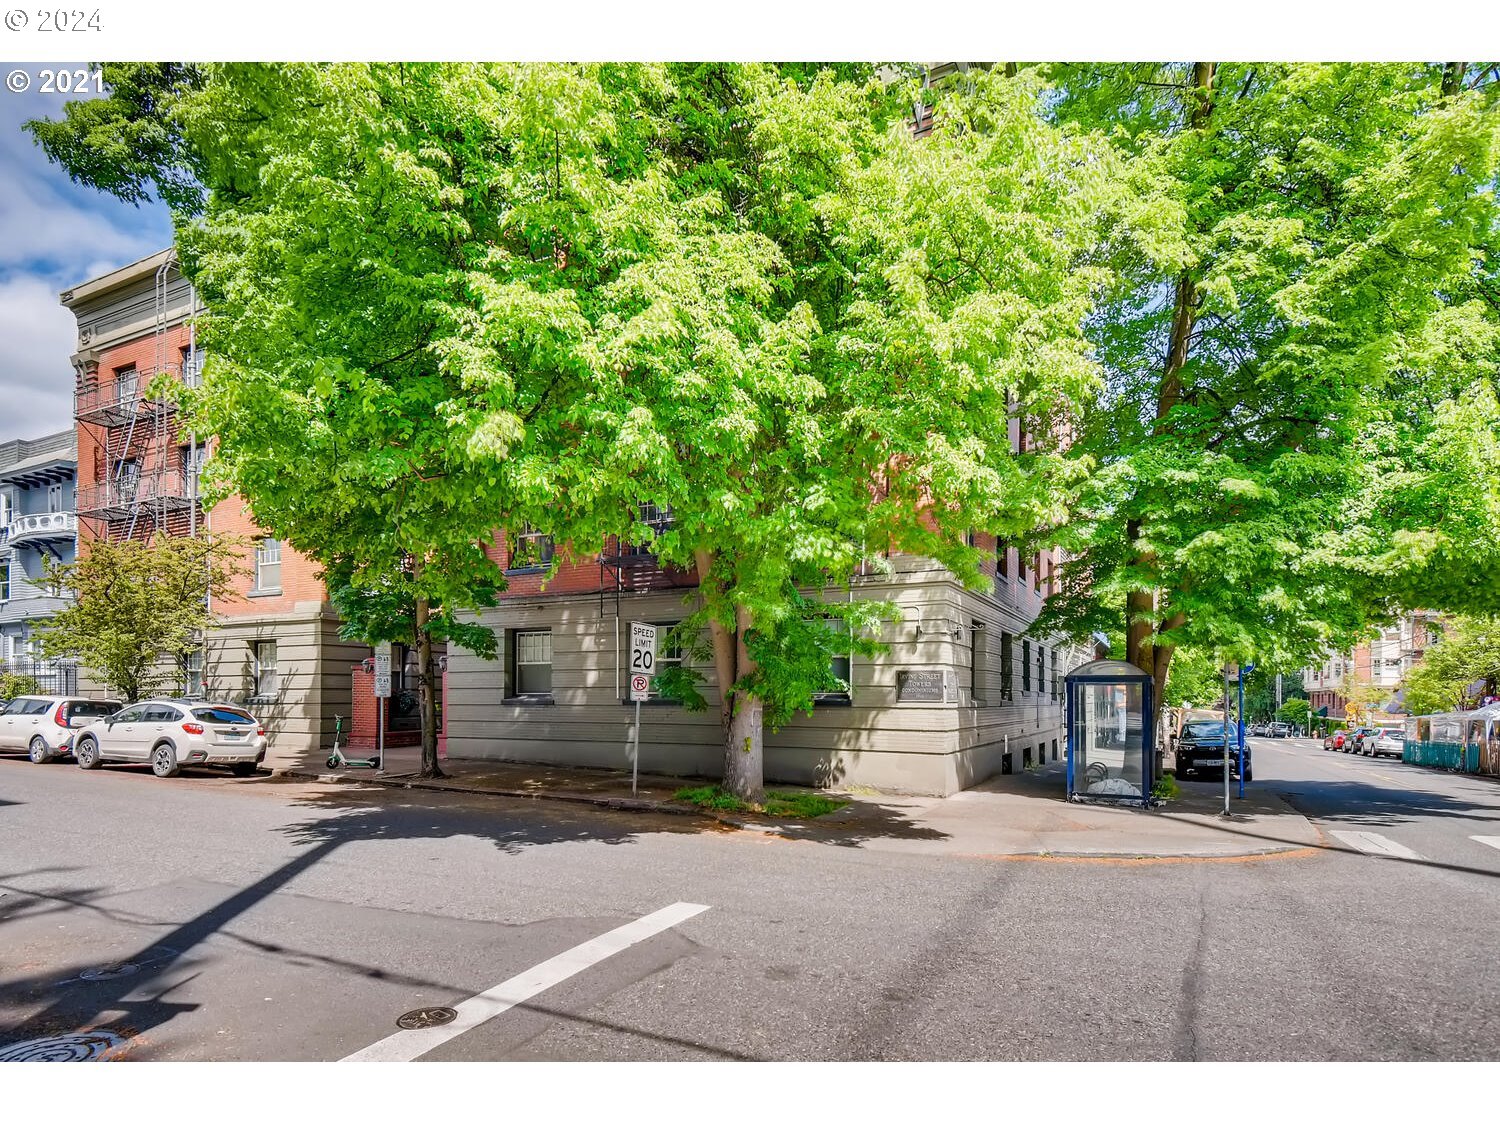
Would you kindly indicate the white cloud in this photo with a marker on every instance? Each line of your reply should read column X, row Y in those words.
column 36, row 381
column 54, row 235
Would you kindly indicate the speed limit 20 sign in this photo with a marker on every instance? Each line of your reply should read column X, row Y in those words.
column 642, row 659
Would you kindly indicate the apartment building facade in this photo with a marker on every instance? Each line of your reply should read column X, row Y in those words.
column 963, row 690
column 1370, row 674
column 37, row 525
column 275, row 647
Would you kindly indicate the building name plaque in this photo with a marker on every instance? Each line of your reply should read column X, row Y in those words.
column 920, row 686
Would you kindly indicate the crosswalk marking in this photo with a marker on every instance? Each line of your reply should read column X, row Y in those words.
column 404, row 1046
column 1492, row 841
column 1373, row 843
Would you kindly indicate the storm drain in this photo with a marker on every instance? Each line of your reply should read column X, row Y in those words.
column 426, row 1017
column 83, row 1046
column 109, row 972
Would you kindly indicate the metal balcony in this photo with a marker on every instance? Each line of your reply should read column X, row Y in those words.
column 39, row 527
column 116, row 499
column 106, row 406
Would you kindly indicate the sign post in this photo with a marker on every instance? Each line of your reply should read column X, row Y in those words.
column 1245, row 670
column 382, row 693
column 642, row 668
column 1227, row 667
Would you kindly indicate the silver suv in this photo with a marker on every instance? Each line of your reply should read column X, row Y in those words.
column 44, row 725
column 171, row 733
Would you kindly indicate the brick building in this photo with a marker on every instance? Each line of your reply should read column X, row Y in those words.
column 276, row 647
column 1372, row 670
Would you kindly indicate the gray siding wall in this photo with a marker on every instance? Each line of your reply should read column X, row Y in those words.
column 875, row 739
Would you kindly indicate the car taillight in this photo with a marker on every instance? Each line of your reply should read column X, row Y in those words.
column 193, row 728
column 261, row 733
column 57, row 716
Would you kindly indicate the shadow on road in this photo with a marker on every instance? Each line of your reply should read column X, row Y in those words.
column 127, row 1003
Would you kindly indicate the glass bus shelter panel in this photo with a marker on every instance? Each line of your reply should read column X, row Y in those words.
column 1108, row 740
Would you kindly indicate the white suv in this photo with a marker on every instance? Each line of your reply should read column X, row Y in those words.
column 171, row 733
column 44, row 725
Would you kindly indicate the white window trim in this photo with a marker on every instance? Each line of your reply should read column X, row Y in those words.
column 259, row 669
column 263, row 559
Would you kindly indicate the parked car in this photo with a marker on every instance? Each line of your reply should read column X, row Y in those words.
column 1334, row 740
column 1391, row 742
column 171, row 733
column 1201, row 746
column 1259, row 729
column 1353, row 743
column 1279, row 730
column 44, row 726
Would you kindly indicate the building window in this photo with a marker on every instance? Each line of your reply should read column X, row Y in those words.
column 658, row 517
column 530, row 549
column 841, row 666
column 192, row 674
column 1036, row 573
column 1056, row 692
column 268, row 567
column 4, row 580
column 192, row 368
column 667, row 656
column 267, row 683
column 129, row 479
column 5, row 508
column 1025, row 665
column 1007, row 665
column 1041, row 670
column 54, row 498
column 126, row 382
column 1002, row 559
column 531, row 663
column 979, row 660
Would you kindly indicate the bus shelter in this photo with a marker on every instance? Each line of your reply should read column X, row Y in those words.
column 1111, row 740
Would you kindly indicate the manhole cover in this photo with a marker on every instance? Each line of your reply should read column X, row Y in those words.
column 84, row 1046
column 426, row 1017
column 109, row 972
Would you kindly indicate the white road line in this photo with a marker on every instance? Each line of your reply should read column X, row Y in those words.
column 1373, row 843
column 1492, row 841
column 404, row 1046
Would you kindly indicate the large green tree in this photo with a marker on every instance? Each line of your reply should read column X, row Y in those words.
column 1336, row 224
column 447, row 298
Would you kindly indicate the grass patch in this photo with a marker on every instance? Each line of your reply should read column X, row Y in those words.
column 1166, row 788
column 800, row 805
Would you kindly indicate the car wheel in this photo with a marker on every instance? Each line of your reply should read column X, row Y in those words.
column 87, row 754
column 39, row 751
column 1249, row 775
column 243, row 769
column 164, row 761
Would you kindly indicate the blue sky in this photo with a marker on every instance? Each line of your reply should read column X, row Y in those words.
column 53, row 234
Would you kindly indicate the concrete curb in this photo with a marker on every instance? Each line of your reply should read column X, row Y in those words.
column 626, row 804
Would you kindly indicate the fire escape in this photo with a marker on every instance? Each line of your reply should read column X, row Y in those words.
column 143, row 487
column 631, row 568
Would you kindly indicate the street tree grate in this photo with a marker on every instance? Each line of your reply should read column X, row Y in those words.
column 109, row 972
column 426, row 1017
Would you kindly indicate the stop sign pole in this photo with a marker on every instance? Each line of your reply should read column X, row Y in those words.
column 642, row 667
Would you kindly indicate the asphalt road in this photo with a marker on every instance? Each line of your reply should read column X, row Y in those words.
column 205, row 918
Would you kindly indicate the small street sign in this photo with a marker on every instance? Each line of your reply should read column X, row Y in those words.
column 383, row 671
column 642, row 659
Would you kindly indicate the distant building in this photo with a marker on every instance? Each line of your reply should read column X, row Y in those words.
column 1372, row 669
column 37, row 524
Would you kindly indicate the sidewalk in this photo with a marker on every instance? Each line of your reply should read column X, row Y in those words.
column 1021, row 815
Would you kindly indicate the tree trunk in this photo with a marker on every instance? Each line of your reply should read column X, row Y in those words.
column 427, row 697
column 1141, row 605
column 1453, row 78
column 741, row 714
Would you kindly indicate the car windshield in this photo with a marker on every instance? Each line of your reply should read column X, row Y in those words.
column 231, row 715
column 1205, row 730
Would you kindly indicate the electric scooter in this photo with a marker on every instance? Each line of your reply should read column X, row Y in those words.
column 339, row 760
